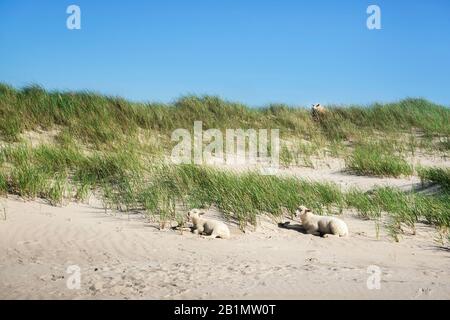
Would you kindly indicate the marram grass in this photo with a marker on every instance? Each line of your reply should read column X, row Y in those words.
column 106, row 145
column 102, row 120
column 127, row 183
column 376, row 160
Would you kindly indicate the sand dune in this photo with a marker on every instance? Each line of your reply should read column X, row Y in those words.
column 333, row 170
column 129, row 258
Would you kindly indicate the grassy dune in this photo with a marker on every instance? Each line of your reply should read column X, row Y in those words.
column 127, row 184
column 112, row 147
column 100, row 119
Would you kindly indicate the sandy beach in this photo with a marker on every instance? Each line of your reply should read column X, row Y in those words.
column 128, row 257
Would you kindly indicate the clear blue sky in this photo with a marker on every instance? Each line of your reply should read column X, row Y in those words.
column 256, row 52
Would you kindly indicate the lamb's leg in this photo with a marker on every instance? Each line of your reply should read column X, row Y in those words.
column 313, row 232
column 213, row 236
column 326, row 235
column 183, row 229
column 198, row 230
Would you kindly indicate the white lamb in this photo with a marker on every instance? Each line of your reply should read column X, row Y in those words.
column 320, row 225
column 318, row 111
column 210, row 228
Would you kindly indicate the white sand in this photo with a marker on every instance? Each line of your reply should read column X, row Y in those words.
column 333, row 170
column 131, row 259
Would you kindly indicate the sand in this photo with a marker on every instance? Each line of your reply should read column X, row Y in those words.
column 128, row 257
column 333, row 170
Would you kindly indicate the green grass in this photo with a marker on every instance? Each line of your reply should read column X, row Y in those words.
column 128, row 183
column 57, row 190
column 3, row 185
column 402, row 209
column 440, row 176
column 44, row 171
column 28, row 181
column 364, row 203
column 376, row 160
column 444, row 144
column 102, row 121
column 286, row 156
column 241, row 196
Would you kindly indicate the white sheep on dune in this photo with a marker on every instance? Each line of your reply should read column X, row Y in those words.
column 321, row 225
column 208, row 228
column 318, row 111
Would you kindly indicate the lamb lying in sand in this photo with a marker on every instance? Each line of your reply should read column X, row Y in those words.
column 210, row 228
column 319, row 225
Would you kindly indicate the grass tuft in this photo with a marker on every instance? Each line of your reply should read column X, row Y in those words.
column 375, row 160
column 440, row 176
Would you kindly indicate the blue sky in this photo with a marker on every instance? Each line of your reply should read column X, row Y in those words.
column 256, row 52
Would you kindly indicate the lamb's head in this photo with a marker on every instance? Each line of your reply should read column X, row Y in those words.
column 195, row 214
column 302, row 212
column 317, row 107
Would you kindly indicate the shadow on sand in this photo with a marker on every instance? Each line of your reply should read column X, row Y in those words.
column 296, row 227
